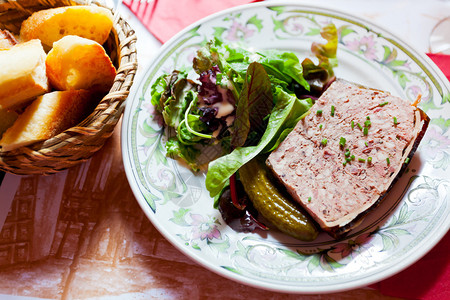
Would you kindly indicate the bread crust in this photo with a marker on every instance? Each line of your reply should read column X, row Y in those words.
column 47, row 116
column 22, row 74
column 77, row 63
column 80, row 72
column 50, row 25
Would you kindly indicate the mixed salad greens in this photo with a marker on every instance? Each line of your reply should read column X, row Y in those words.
column 245, row 102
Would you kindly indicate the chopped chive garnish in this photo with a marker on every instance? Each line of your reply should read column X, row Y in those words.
column 332, row 110
column 383, row 104
column 366, row 131
column 388, row 161
column 353, row 124
column 359, row 126
column 319, row 112
column 367, row 118
column 365, row 143
column 369, row 160
column 344, row 163
column 320, row 126
column 407, row 160
column 309, row 199
column 347, row 154
column 348, row 159
column 367, row 123
column 324, row 142
column 352, row 157
column 395, row 121
column 361, row 160
column 342, row 141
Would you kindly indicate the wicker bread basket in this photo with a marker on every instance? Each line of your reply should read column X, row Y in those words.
column 78, row 143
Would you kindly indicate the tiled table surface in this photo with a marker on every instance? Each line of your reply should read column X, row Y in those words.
column 81, row 234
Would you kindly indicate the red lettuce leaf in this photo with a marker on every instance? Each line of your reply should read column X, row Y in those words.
column 255, row 103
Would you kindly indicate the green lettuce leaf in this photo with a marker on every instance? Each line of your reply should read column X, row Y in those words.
column 284, row 66
column 287, row 106
column 213, row 54
column 192, row 135
column 158, row 89
column 171, row 95
column 292, row 120
column 187, row 153
column 182, row 94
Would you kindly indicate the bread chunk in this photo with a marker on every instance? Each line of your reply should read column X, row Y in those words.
column 342, row 159
column 22, row 74
column 50, row 25
column 47, row 116
column 77, row 63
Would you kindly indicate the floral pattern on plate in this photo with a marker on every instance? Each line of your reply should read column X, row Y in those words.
column 391, row 237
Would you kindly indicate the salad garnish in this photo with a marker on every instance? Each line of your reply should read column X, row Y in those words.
column 241, row 101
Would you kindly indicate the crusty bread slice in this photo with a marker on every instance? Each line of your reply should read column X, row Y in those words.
column 47, row 116
column 77, row 63
column 7, row 40
column 22, row 73
column 50, row 25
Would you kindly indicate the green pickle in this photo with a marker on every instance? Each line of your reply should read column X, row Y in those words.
column 279, row 210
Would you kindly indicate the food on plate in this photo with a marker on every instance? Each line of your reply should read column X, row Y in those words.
column 7, row 40
column 50, row 25
column 273, row 204
column 47, row 116
column 343, row 158
column 7, row 118
column 332, row 148
column 79, row 63
column 221, row 106
column 22, row 74
column 244, row 101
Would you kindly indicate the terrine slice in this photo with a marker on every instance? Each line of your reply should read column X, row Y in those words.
column 343, row 157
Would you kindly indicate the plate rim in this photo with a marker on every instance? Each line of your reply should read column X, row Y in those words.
column 338, row 287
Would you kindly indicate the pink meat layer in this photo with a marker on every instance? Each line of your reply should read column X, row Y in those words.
column 314, row 167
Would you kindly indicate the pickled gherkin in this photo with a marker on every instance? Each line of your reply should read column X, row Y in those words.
column 273, row 205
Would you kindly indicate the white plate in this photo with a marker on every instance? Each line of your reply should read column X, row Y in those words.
column 410, row 221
